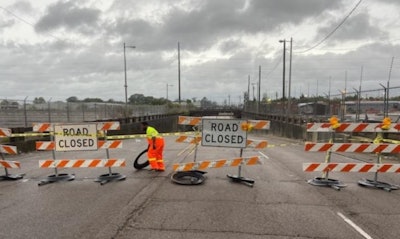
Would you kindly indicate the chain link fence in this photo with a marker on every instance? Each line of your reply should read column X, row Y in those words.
column 23, row 113
column 349, row 106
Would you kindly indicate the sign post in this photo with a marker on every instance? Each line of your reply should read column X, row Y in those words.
column 79, row 137
column 227, row 133
column 218, row 132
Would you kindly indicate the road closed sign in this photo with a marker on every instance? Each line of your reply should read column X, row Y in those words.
column 223, row 133
column 75, row 137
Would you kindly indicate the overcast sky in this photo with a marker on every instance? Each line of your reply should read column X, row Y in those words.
column 58, row 49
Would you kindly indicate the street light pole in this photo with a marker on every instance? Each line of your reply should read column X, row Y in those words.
column 358, row 105
column 168, row 85
column 254, row 97
column 290, row 78
column 284, row 70
column 385, row 100
column 126, row 82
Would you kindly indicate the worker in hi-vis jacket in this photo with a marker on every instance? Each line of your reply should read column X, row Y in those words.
column 155, row 147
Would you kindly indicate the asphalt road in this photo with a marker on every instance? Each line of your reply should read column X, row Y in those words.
column 281, row 204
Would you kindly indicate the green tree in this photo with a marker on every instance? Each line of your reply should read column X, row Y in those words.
column 72, row 99
column 39, row 100
column 92, row 100
column 140, row 99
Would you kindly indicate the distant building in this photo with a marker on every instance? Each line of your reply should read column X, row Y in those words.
column 371, row 107
column 366, row 107
column 313, row 108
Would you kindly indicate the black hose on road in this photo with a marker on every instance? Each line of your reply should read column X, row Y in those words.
column 141, row 162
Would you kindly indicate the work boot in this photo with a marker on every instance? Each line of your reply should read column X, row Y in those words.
column 160, row 165
column 153, row 164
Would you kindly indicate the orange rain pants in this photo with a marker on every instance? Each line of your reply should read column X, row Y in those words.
column 155, row 154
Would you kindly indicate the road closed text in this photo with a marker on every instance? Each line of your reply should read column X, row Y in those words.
column 225, row 133
column 76, row 137
column 227, row 139
column 73, row 143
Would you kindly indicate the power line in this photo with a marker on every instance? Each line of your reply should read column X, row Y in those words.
column 26, row 22
column 334, row 30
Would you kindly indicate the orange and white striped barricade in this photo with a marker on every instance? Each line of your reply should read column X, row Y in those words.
column 72, row 137
column 109, row 144
column 352, row 147
column 351, row 167
column 202, row 165
column 377, row 147
column 358, row 168
column 195, row 123
column 190, row 139
column 43, row 127
column 247, row 126
column 351, row 127
column 257, row 144
column 189, row 120
column 105, row 126
column 8, row 149
column 51, row 146
column 259, row 124
column 219, row 132
column 81, row 163
column 192, row 170
column 5, row 132
column 102, row 144
column 324, row 180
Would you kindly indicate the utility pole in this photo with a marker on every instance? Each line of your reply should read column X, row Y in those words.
column 284, row 68
column 283, row 76
column 359, row 96
column 387, row 93
column 254, row 97
column 248, row 88
column 290, row 78
column 126, row 82
column 259, row 89
column 179, row 73
column 168, row 85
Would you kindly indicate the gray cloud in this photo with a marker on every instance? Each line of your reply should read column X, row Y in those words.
column 66, row 14
column 357, row 28
column 22, row 6
column 5, row 23
column 215, row 20
column 241, row 35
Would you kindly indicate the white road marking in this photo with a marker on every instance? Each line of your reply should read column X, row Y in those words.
column 357, row 228
column 265, row 156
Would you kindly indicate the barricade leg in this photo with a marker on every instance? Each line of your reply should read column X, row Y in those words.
column 108, row 177
column 238, row 178
column 377, row 184
column 56, row 178
column 325, row 180
column 8, row 176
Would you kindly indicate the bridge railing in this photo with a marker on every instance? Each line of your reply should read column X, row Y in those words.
column 20, row 113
